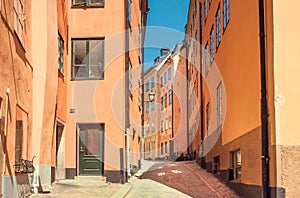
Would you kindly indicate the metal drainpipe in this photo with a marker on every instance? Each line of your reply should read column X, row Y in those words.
column 201, row 90
column 187, row 98
column 264, row 104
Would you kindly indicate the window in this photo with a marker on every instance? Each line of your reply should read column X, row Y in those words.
column 87, row 59
column 19, row 18
column 162, row 103
column 153, row 104
column 153, row 81
column 162, row 127
column 206, row 59
column 60, row 54
column 166, row 100
column 207, row 117
column 165, row 78
column 226, row 13
column 147, row 86
column 170, row 96
column 205, row 9
column 129, row 17
column 219, row 104
column 87, row 2
column 161, row 81
column 19, row 140
column 212, row 44
column 166, row 147
column 162, row 148
column 236, row 164
column 216, row 165
column 147, row 107
column 166, row 124
column 169, row 73
column 130, row 77
column 218, row 27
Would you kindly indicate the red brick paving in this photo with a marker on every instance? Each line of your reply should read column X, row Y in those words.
column 188, row 177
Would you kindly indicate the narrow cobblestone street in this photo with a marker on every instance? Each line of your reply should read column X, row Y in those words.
column 189, row 178
column 163, row 179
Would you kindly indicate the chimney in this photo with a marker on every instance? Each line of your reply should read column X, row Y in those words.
column 164, row 51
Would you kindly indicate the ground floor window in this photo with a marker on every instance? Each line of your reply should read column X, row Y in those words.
column 216, row 165
column 236, row 164
column 162, row 148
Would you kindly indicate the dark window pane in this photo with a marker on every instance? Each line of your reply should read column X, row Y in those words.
column 79, row 46
column 95, row 72
column 95, row 46
column 92, row 142
column 96, row 1
column 78, row 1
column 79, row 71
column 80, row 59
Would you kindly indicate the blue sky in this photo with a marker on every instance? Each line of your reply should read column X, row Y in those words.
column 165, row 26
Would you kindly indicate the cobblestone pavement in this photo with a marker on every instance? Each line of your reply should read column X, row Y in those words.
column 81, row 188
column 188, row 177
column 163, row 179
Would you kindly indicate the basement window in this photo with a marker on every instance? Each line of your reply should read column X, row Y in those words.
column 236, row 164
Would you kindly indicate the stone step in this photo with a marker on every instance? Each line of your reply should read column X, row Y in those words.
column 95, row 178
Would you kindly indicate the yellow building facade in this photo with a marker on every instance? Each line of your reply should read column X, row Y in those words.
column 232, row 130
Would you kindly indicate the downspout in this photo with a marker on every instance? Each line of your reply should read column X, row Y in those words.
column 264, row 105
column 187, row 98
column 127, row 125
column 201, row 91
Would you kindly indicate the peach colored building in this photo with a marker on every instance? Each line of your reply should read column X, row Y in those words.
column 64, row 85
column 103, row 122
column 33, row 92
column 249, row 112
column 165, row 117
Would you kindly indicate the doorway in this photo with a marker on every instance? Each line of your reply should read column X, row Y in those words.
column 91, row 149
column 60, row 151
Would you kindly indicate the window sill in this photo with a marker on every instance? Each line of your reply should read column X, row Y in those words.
column 85, row 79
column 87, row 6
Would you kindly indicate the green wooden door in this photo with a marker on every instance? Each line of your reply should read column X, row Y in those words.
column 91, row 149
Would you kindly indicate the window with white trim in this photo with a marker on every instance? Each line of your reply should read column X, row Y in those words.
column 60, row 54
column 226, row 13
column 205, row 9
column 212, row 44
column 206, row 59
column 218, row 27
column 19, row 18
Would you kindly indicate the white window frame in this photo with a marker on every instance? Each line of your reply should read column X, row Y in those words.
column 19, row 18
column 218, row 27
column 226, row 13
column 212, row 44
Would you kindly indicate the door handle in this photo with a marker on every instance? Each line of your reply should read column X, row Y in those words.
column 81, row 149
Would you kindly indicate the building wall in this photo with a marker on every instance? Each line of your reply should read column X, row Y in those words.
column 180, row 102
column 105, row 101
column 192, row 56
column 236, row 65
column 151, row 118
column 165, row 111
column 285, row 72
column 16, row 74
